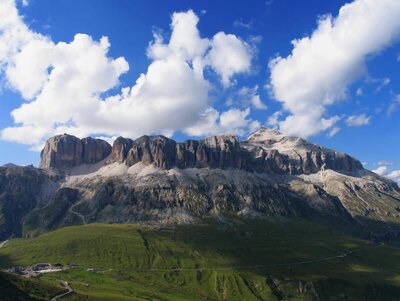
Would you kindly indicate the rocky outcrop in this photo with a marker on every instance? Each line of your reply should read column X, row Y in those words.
column 120, row 149
column 213, row 152
column 68, row 151
column 157, row 150
column 265, row 151
column 94, row 150
column 273, row 152
column 21, row 190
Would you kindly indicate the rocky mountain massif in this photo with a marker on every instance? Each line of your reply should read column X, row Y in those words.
column 157, row 180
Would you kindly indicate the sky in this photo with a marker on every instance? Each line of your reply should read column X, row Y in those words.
column 326, row 71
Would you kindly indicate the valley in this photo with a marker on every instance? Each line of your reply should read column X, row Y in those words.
column 241, row 259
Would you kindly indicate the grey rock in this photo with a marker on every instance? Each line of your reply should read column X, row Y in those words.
column 20, row 192
column 274, row 152
column 269, row 174
column 120, row 149
column 158, row 150
column 94, row 150
column 265, row 151
column 213, row 152
column 66, row 151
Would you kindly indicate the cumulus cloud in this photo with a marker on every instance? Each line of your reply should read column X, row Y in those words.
column 381, row 170
column 233, row 121
column 273, row 120
column 229, row 55
column 394, row 175
column 358, row 120
column 64, row 83
column 385, row 168
column 321, row 66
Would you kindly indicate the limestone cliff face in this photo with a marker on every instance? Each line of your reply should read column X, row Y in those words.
column 265, row 151
column 69, row 151
column 214, row 152
column 94, row 150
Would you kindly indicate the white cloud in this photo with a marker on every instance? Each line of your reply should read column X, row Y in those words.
column 360, row 92
column 241, row 23
column 67, row 80
column 394, row 105
column 228, row 56
column 273, row 120
column 385, row 168
column 248, row 97
column 358, row 120
column 379, row 83
column 384, row 162
column 394, row 175
column 382, row 170
column 333, row 131
column 321, row 67
column 185, row 38
column 383, row 83
column 233, row 121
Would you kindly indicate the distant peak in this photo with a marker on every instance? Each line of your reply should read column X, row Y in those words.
column 10, row 165
column 264, row 133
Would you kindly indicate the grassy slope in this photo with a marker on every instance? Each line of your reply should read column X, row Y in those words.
column 209, row 251
column 16, row 288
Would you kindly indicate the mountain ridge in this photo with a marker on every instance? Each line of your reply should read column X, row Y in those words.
column 265, row 151
column 157, row 180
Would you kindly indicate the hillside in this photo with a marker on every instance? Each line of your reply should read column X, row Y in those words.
column 13, row 288
column 238, row 259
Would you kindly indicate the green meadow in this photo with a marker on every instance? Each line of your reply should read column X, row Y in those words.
column 285, row 259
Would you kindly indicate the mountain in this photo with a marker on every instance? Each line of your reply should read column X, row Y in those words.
column 157, row 180
column 273, row 217
column 9, row 165
column 265, row 151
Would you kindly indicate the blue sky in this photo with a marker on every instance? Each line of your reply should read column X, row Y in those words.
column 340, row 95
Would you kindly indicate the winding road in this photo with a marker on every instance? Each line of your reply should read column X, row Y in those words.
column 71, row 210
column 66, row 285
